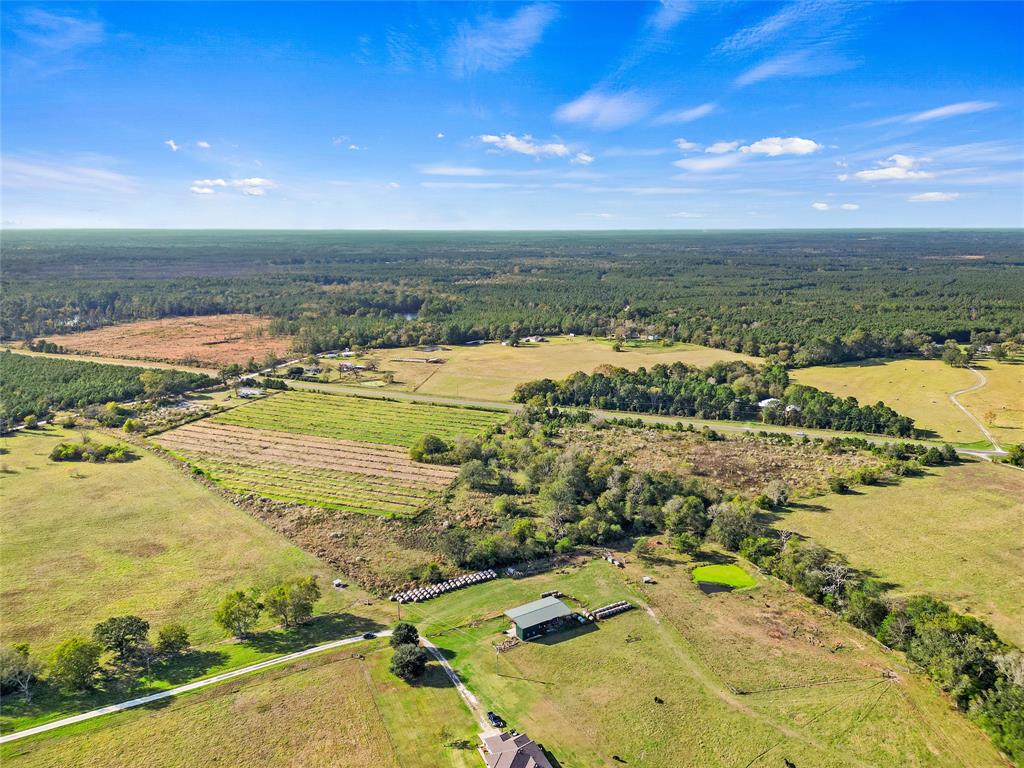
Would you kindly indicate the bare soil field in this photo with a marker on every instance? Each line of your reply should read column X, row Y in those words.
column 737, row 464
column 206, row 339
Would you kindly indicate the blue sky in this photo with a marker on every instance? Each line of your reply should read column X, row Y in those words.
column 692, row 115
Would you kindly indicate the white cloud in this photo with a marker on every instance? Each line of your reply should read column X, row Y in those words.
column 721, row 147
column 582, row 158
column 203, row 144
column 525, row 145
column 686, row 115
column 605, row 110
column 468, row 185
column 686, row 146
column 394, row 185
column 339, row 140
column 843, row 207
column 820, row 206
column 254, row 186
column 776, row 146
column 893, row 168
column 635, row 151
column 440, row 135
column 708, row 164
column 46, row 174
column 492, row 44
column 952, row 110
column 850, row 207
column 355, row 148
column 58, row 34
column 172, row 144
column 843, row 176
column 686, row 215
column 934, row 197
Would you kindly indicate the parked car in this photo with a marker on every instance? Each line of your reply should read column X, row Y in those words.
column 495, row 720
column 369, row 636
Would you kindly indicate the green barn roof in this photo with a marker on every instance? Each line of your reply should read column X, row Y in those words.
column 539, row 611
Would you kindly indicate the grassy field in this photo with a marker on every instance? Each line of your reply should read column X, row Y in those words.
column 359, row 418
column 728, row 574
column 955, row 534
column 330, row 711
column 86, row 541
column 795, row 681
column 491, row 371
column 920, row 389
column 1000, row 403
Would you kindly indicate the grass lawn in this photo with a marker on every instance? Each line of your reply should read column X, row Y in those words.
column 491, row 371
column 715, row 662
column 335, row 710
column 916, row 388
column 730, row 575
column 956, row 534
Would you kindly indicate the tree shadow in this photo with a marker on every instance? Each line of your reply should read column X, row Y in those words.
column 188, row 666
column 713, row 558
column 433, row 676
column 320, row 629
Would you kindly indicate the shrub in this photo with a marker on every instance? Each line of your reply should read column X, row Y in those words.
column 121, row 634
column 426, row 447
column 292, row 601
column 238, row 613
column 172, row 640
column 686, row 543
column 838, row 484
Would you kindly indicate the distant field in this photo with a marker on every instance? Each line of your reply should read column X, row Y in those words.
column 359, row 418
column 206, row 339
column 333, row 474
column 83, row 542
column 920, row 389
column 330, row 711
column 491, row 371
column 113, row 360
column 588, row 694
column 1000, row 403
column 955, row 534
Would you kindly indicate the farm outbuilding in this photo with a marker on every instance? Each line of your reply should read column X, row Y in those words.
column 539, row 617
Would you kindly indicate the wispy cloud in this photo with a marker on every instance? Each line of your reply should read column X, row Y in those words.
column 843, row 207
column 173, row 145
column 669, row 14
column 605, row 110
column 635, row 151
column 525, row 145
column 934, row 197
column 254, row 186
column 58, row 32
column 582, row 158
column 709, row 164
column 48, row 174
column 719, row 147
column 940, row 113
column 808, row 62
column 686, row 115
column 770, row 29
column 685, row 145
column 203, row 144
column 686, row 215
column 492, row 44
column 444, row 169
column 893, row 168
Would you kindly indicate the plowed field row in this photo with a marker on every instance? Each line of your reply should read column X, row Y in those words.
column 361, row 419
column 243, row 444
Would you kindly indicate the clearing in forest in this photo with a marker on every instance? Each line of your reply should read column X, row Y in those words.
column 208, row 339
column 491, row 371
column 360, row 418
column 954, row 534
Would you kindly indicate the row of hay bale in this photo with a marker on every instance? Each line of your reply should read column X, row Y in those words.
column 606, row 612
column 611, row 559
column 425, row 593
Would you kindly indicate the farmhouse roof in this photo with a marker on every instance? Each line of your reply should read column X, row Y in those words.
column 504, row 750
column 538, row 612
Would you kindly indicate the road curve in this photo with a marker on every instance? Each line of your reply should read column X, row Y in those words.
column 183, row 688
column 982, row 381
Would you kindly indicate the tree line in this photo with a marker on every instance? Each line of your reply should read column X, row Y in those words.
column 735, row 391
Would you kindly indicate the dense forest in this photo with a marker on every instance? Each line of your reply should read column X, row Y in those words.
column 799, row 297
column 33, row 386
column 734, row 391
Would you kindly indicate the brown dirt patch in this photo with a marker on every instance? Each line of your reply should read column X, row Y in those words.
column 208, row 339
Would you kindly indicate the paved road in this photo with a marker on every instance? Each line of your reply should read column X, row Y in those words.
column 982, row 381
column 183, row 688
column 719, row 426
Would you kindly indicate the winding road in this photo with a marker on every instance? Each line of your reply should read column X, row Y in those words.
column 982, row 381
column 142, row 700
